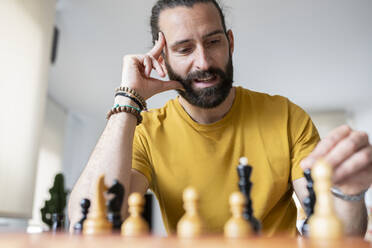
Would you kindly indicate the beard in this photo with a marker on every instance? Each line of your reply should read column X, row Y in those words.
column 209, row 97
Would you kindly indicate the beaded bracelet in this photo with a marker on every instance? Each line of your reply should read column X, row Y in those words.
column 132, row 92
column 120, row 93
column 142, row 102
column 128, row 109
column 129, row 106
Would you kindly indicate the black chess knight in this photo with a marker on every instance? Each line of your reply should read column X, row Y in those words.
column 114, row 204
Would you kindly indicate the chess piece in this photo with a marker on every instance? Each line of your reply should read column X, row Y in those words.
column 135, row 224
column 324, row 224
column 96, row 222
column 58, row 222
column 308, row 202
column 245, row 185
column 237, row 226
column 115, row 204
column 190, row 225
column 84, row 204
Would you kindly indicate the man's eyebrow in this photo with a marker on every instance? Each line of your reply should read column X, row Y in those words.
column 218, row 31
column 180, row 42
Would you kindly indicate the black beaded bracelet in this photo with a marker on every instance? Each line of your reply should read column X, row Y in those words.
column 134, row 94
column 131, row 98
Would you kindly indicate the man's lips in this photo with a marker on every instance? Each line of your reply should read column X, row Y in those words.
column 205, row 82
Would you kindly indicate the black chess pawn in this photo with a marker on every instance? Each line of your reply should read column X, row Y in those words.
column 114, row 205
column 84, row 204
column 309, row 202
column 245, row 185
column 58, row 222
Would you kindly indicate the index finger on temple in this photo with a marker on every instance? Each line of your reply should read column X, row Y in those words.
column 159, row 45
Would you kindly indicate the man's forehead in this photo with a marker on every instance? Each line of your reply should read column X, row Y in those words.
column 184, row 22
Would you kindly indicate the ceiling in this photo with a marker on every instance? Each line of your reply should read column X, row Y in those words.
column 318, row 53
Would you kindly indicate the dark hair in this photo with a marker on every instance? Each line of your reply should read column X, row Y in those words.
column 160, row 5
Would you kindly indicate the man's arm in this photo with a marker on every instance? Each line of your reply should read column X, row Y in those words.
column 353, row 214
column 112, row 155
column 349, row 153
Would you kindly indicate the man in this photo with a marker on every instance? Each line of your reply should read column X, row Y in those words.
column 197, row 139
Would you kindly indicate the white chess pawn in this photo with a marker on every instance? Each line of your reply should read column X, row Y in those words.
column 135, row 225
column 237, row 226
column 324, row 224
column 190, row 225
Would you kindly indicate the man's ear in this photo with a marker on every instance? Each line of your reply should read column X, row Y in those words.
column 162, row 62
column 230, row 36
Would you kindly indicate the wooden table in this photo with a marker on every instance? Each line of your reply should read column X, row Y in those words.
column 48, row 240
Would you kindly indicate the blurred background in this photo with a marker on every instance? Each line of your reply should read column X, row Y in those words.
column 60, row 61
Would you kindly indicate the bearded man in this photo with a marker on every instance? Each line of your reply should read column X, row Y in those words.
column 197, row 139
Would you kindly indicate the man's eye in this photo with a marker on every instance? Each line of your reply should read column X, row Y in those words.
column 211, row 42
column 184, row 50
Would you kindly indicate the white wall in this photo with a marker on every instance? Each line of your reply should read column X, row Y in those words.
column 363, row 119
column 327, row 120
column 25, row 44
column 82, row 134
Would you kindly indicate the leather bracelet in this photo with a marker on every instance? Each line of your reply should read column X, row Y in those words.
column 120, row 93
column 339, row 194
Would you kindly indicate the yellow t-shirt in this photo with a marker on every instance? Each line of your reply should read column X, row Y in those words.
column 174, row 152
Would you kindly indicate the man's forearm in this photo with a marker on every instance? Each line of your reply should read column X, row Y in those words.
column 112, row 156
column 353, row 215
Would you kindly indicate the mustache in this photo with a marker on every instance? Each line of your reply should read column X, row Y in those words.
column 204, row 74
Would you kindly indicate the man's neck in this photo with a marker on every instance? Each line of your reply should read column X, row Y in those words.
column 210, row 115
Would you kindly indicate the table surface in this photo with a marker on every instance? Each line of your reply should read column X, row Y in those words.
column 20, row 240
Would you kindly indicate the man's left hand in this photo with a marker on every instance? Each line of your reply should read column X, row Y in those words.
column 350, row 154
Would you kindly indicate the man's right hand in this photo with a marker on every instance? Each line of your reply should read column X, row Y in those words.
column 137, row 70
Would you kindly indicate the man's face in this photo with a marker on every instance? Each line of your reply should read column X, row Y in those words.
column 198, row 53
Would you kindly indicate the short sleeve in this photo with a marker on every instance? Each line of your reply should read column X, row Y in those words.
column 140, row 159
column 303, row 138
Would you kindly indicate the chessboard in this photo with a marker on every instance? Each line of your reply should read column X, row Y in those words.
column 64, row 240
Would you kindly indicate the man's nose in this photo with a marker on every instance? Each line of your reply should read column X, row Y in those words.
column 202, row 60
